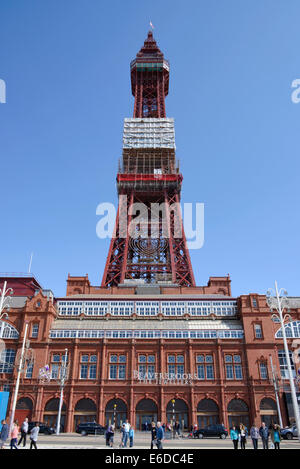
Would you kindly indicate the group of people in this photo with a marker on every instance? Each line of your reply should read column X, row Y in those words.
column 127, row 435
column 240, row 434
column 5, row 434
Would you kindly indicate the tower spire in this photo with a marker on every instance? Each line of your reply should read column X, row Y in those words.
column 149, row 80
column 156, row 250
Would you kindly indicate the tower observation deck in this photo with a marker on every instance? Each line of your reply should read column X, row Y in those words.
column 155, row 250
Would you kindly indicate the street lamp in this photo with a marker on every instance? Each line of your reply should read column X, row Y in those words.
column 23, row 359
column 173, row 418
column 115, row 410
column 279, row 302
column 63, row 376
column 276, row 389
column 4, row 303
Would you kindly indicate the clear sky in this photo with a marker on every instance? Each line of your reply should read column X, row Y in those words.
column 66, row 68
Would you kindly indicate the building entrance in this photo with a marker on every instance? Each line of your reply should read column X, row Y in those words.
column 146, row 412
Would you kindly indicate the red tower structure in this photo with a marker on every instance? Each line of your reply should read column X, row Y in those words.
column 149, row 244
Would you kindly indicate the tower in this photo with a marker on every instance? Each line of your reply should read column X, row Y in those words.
column 148, row 243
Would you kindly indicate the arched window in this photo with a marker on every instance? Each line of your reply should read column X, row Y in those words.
column 292, row 329
column 7, row 331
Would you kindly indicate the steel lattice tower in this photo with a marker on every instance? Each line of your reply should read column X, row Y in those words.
column 156, row 250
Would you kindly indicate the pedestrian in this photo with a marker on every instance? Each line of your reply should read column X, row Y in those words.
column 24, row 431
column 122, row 436
column 14, row 435
column 111, row 434
column 264, row 434
column 131, row 436
column 243, row 436
column 4, row 433
column 126, row 426
column 153, row 434
column 254, row 434
column 107, row 436
column 176, row 430
column 159, row 435
column 234, row 435
column 275, row 436
column 34, row 435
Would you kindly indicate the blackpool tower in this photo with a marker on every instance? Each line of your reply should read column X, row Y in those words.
column 150, row 247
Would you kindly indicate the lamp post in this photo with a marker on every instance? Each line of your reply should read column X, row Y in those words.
column 276, row 389
column 279, row 301
column 115, row 410
column 63, row 376
column 4, row 303
column 173, row 418
column 26, row 357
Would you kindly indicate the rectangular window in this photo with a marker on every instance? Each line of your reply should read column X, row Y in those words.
column 238, row 372
column 29, row 371
column 201, row 371
column 263, row 371
column 83, row 371
column 258, row 331
column 122, row 371
column 93, row 372
column 54, row 371
column 113, row 372
column 229, row 371
column 210, row 372
column 35, row 330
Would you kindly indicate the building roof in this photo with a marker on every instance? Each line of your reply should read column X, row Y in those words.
column 141, row 324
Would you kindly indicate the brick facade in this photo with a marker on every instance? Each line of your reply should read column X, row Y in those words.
column 90, row 398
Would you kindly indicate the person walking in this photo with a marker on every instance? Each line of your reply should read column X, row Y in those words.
column 4, row 433
column 176, row 430
column 153, row 434
column 34, row 436
column 14, row 435
column 264, row 434
column 126, row 426
column 275, row 436
column 234, row 435
column 24, row 431
column 122, row 436
column 110, row 435
column 131, row 436
column 159, row 435
column 254, row 434
column 243, row 436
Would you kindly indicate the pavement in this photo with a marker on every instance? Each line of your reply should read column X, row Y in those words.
column 141, row 441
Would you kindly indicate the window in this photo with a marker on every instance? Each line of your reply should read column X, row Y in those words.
column 254, row 302
column 146, row 367
column 263, row 370
column 176, row 366
column 117, row 367
column 284, row 366
column 233, row 367
column 258, row 331
column 35, row 330
column 56, row 360
column 205, row 367
column 29, row 371
column 7, row 361
column 54, row 371
column 88, row 366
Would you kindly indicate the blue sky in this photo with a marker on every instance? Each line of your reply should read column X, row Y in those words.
column 66, row 68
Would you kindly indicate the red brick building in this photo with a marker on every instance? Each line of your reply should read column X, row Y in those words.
column 148, row 344
column 111, row 334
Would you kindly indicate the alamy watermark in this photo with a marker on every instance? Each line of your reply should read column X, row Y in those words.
column 157, row 221
column 2, row 91
column 295, row 96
